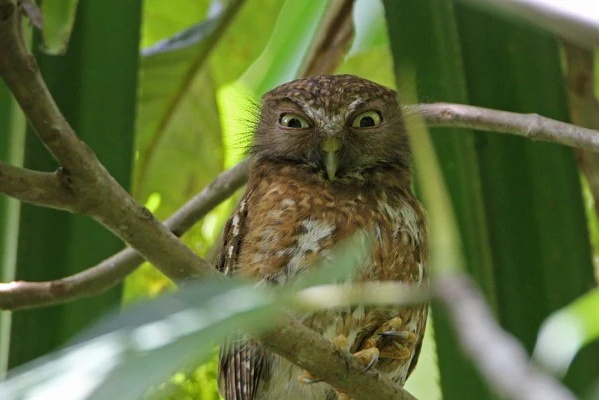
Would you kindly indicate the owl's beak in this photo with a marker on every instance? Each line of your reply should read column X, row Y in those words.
column 331, row 146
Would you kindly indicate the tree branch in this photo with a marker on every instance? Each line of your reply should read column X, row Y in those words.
column 499, row 356
column 309, row 350
column 95, row 191
column 21, row 295
column 41, row 188
column 532, row 126
column 31, row 294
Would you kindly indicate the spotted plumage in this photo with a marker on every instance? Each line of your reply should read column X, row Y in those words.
column 330, row 161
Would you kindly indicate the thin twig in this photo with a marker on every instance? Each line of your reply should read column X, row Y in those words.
column 498, row 355
column 532, row 126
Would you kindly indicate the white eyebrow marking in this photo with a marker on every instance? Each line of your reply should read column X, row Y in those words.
column 330, row 123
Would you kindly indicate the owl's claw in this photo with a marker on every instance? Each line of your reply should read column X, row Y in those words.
column 398, row 335
column 368, row 356
column 373, row 361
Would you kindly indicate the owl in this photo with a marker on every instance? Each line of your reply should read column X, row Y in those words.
column 330, row 159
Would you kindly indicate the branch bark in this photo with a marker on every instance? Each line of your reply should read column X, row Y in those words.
column 532, row 126
column 41, row 188
column 94, row 280
column 311, row 351
column 332, row 40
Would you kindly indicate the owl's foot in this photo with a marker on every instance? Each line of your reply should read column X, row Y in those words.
column 394, row 342
column 391, row 341
column 368, row 357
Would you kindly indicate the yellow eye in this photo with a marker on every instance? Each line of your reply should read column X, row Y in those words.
column 367, row 120
column 290, row 120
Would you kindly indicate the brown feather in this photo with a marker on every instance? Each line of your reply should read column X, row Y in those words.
column 294, row 213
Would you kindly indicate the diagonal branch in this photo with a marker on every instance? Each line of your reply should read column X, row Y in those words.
column 532, row 126
column 309, row 350
column 97, row 279
column 95, row 191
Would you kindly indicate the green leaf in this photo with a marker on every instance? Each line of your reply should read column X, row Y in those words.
column 174, row 116
column 565, row 332
column 424, row 37
column 532, row 191
column 59, row 18
column 12, row 138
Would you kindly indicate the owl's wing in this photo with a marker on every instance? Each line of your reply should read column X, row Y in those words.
column 241, row 364
column 422, row 254
column 241, row 360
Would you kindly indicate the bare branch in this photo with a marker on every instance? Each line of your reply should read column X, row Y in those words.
column 97, row 279
column 532, row 126
column 311, row 351
column 96, row 192
column 42, row 188
column 21, row 295
column 498, row 355
column 218, row 190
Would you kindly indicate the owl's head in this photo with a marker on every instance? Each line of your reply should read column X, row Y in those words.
column 340, row 126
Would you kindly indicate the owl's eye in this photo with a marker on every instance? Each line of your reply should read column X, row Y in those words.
column 367, row 120
column 292, row 121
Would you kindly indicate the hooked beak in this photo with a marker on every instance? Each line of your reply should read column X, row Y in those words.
column 331, row 146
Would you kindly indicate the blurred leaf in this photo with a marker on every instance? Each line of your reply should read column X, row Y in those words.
column 423, row 36
column 369, row 26
column 533, row 202
column 282, row 57
column 124, row 355
column 245, row 40
column 59, row 18
column 565, row 332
